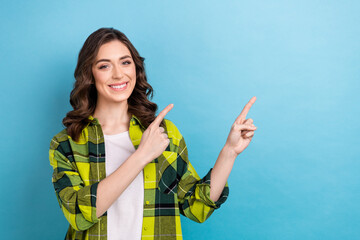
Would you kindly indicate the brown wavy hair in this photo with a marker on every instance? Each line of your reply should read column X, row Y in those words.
column 83, row 97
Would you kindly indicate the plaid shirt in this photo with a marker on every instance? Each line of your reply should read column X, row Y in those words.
column 171, row 184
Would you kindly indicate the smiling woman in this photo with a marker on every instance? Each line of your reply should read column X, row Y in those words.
column 119, row 171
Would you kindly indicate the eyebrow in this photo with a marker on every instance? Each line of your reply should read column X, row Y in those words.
column 108, row 60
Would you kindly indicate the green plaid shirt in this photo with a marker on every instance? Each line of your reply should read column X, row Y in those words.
column 171, row 184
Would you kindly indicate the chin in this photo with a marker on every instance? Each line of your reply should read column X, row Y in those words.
column 123, row 99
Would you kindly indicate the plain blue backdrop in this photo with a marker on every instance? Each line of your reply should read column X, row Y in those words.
column 298, row 179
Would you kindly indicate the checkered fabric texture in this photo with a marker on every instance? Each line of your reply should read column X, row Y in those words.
column 171, row 184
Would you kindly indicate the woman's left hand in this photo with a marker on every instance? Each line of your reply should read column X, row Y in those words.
column 241, row 131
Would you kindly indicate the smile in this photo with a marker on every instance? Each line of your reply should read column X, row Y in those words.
column 119, row 87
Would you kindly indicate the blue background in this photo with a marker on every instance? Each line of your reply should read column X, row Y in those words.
column 298, row 179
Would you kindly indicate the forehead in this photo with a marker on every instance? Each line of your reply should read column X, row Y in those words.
column 113, row 49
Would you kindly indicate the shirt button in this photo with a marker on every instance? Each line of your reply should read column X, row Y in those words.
column 147, row 202
column 145, row 228
column 147, row 176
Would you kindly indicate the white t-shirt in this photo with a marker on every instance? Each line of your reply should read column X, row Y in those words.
column 125, row 215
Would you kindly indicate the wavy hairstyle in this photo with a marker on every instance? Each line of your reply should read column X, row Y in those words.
column 83, row 97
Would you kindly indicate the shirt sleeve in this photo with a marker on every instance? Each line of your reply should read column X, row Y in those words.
column 194, row 193
column 77, row 201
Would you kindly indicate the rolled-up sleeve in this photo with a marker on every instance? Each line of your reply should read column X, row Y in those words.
column 77, row 201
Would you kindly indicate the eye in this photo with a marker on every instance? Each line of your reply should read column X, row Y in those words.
column 102, row 66
column 127, row 62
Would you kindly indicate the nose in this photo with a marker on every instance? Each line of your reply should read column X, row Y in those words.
column 117, row 72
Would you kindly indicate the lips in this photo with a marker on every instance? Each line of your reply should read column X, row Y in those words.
column 116, row 87
column 117, row 84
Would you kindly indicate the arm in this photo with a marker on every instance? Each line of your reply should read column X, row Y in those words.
column 221, row 172
column 240, row 136
column 111, row 187
column 83, row 205
column 75, row 199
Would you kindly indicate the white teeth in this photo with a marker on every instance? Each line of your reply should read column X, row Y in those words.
column 119, row 86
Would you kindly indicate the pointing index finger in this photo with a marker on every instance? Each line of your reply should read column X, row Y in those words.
column 245, row 111
column 162, row 114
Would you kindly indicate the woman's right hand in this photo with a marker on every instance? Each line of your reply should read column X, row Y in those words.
column 154, row 141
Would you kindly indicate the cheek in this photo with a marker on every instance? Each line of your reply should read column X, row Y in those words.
column 100, row 77
column 132, row 72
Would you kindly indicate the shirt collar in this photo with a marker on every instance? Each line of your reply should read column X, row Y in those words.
column 134, row 120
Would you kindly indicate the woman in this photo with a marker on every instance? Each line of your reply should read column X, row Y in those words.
column 120, row 172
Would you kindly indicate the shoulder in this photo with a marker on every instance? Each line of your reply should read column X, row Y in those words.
column 173, row 132
column 59, row 138
column 172, row 128
column 85, row 135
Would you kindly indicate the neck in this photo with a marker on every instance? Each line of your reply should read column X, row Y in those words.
column 113, row 116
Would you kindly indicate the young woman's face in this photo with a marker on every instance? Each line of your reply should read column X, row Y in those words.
column 114, row 67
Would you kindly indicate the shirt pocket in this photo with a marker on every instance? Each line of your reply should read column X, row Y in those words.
column 168, row 174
